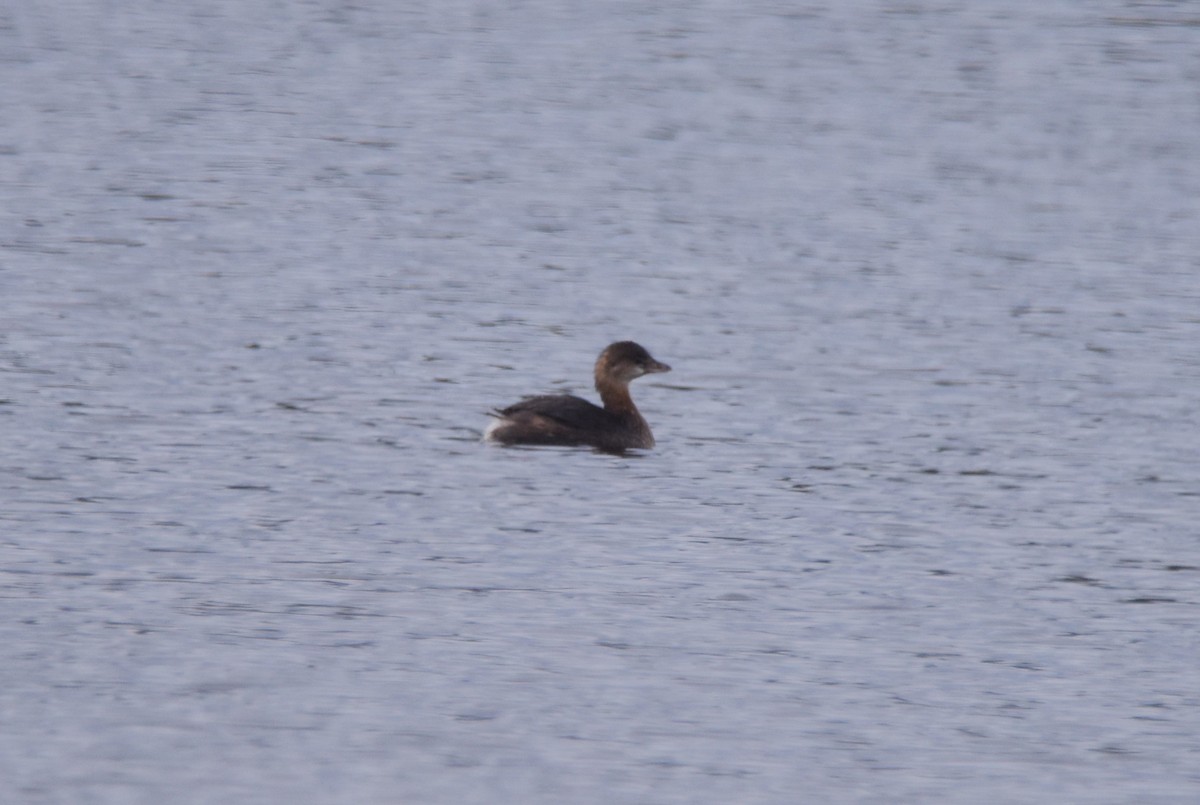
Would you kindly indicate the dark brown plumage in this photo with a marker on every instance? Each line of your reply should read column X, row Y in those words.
column 568, row 420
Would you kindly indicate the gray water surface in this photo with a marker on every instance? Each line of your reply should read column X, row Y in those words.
column 922, row 521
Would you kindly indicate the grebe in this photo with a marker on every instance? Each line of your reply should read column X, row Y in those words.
column 568, row 420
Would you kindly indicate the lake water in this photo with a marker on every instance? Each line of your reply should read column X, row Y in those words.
column 923, row 523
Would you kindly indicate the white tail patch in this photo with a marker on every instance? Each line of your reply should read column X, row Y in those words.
column 489, row 433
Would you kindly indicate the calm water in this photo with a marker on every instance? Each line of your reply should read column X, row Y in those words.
column 922, row 522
